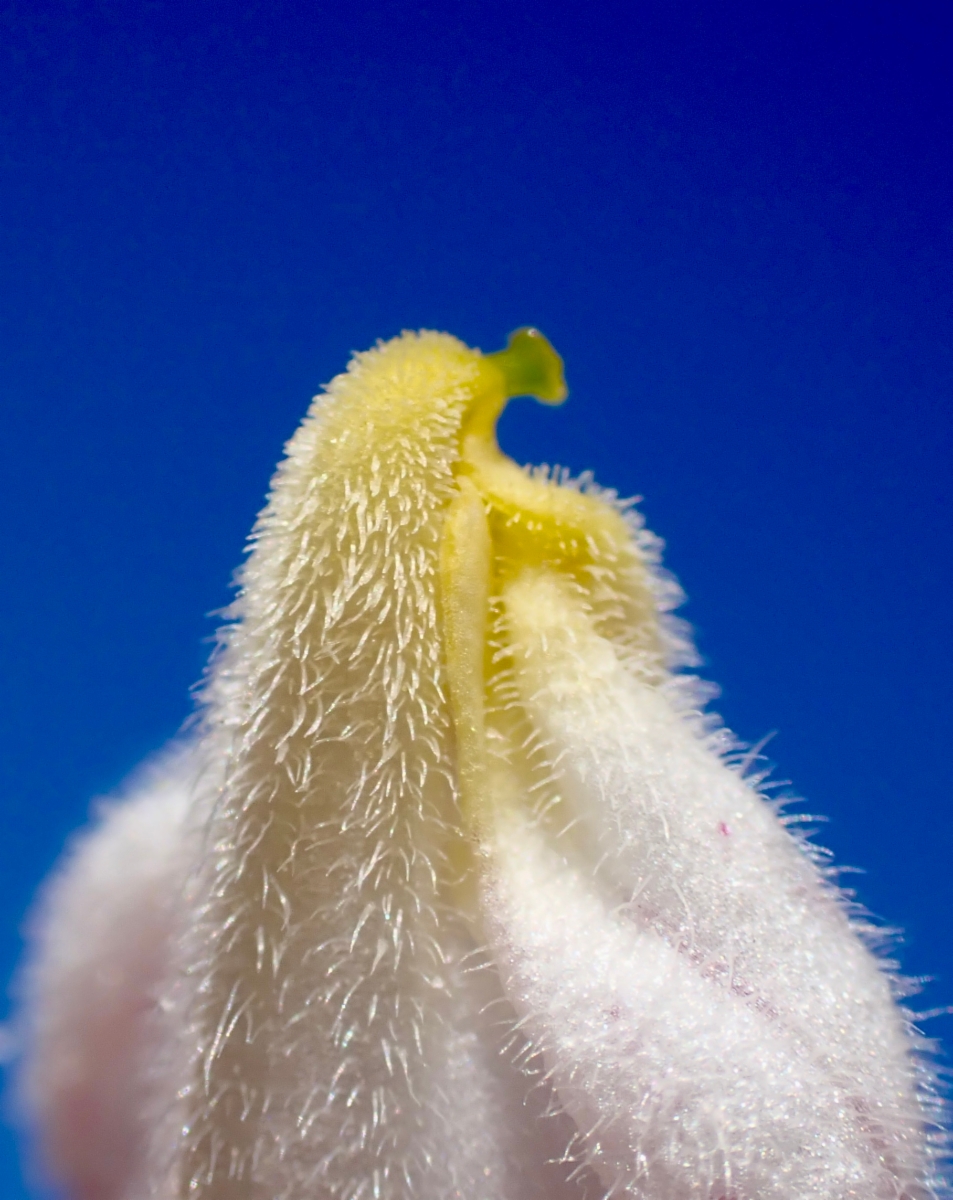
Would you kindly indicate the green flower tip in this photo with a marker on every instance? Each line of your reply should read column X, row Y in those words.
column 531, row 367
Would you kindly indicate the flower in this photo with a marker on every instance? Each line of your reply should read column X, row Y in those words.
column 455, row 893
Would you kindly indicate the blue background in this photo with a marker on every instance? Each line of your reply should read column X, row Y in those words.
column 734, row 221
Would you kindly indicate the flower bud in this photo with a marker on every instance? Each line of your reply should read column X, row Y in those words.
column 454, row 893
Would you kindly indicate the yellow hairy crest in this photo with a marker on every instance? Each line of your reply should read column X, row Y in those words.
column 502, row 522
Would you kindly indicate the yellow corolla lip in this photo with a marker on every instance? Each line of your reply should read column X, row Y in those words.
column 503, row 521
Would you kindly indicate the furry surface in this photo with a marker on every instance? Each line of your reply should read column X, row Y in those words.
column 290, row 966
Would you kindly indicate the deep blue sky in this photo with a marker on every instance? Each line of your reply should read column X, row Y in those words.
column 734, row 221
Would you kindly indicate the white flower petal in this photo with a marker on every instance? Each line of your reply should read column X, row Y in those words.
column 704, row 1006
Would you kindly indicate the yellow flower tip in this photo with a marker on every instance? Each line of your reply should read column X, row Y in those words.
column 529, row 366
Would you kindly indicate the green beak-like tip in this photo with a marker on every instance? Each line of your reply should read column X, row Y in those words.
column 531, row 367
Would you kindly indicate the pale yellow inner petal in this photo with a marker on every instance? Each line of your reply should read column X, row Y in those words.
column 505, row 521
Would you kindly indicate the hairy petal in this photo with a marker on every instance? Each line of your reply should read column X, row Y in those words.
column 710, row 1018
column 452, row 894
column 100, row 949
